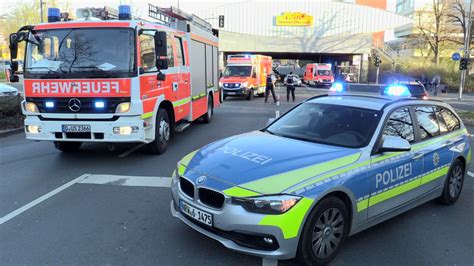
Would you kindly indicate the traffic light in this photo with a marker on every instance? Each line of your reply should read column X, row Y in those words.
column 464, row 63
column 221, row 21
column 377, row 61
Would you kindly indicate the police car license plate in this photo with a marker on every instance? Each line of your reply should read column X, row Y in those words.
column 76, row 128
column 196, row 214
column 231, row 93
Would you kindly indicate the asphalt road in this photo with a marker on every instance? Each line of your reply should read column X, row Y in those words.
column 116, row 223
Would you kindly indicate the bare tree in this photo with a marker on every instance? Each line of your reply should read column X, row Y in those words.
column 434, row 27
column 458, row 18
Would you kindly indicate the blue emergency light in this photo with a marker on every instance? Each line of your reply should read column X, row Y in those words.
column 125, row 12
column 49, row 104
column 99, row 104
column 54, row 14
column 397, row 90
column 337, row 87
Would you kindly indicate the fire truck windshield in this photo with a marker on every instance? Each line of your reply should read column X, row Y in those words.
column 80, row 52
column 237, row 71
column 324, row 73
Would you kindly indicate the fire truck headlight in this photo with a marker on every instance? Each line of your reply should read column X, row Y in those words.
column 123, row 107
column 33, row 129
column 125, row 130
column 31, row 107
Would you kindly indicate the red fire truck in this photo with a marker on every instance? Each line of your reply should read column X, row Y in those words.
column 117, row 80
column 318, row 75
column 245, row 75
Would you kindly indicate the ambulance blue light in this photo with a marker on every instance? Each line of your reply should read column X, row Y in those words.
column 99, row 104
column 125, row 12
column 397, row 90
column 49, row 104
column 54, row 14
column 337, row 87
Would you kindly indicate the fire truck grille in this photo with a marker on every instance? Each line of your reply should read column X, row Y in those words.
column 211, row 198
column 187, row 187
column 86, row 105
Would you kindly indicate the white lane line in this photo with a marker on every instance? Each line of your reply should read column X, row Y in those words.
column 269, row 262
column 131, row 150
column 123, row 180
column 37, row 201
column 469, row 173
column 277, row 113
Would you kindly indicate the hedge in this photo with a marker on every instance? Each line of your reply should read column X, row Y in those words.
column 10, row 112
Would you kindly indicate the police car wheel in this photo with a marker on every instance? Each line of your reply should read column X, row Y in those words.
column 67, row 146
column 454, row 183
column 210, row 111
column 162, row 133
column 324, row 232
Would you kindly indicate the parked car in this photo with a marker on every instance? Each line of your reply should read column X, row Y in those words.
column 7, row 90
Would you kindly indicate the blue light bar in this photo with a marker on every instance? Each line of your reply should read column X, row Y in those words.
column 49, row 104
column 397, row 90
column 125, row 12
column 337, row 87
column 99, row 104
column 54, row 14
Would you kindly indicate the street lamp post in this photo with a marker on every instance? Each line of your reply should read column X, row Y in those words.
column 467, row 46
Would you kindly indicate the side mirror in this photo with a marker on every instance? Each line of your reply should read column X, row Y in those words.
column 13, row 46
column 161, row 46
column 14, row 78
column 161, row 63
column 161, row 76
column 14, row 66
column 269, row 121
column 394, row 144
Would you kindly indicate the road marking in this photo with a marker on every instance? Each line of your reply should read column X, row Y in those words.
column 37, row 201
column 277, row 113
column 469, row 173
column 131, row 150
column 269, row 262
column 123, row 180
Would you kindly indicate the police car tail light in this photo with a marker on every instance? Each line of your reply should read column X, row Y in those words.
column 337, row 87
column 275, row 204
column 31, row 107
column 397, row 90
column 123, row 107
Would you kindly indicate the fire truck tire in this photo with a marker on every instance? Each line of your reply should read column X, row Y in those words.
column 162, row 133
column 67, row 146
column 207, row 117
column 250, row 95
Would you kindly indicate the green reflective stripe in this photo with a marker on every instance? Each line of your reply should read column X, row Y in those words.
column 182, row 101
column 424, row 144
column 196, row 97
column 199, row 96
column 239, row 192
column 279, row 182
column 185, row 161
column 291, row 221
column 362, row 205
column 406, row 187
column 469, row 154
column 435, row 175
column 146, row 115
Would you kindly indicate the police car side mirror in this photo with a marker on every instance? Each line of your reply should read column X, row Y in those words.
column 394, row 144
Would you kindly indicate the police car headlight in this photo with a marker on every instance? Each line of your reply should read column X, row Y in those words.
column 31, row 107
column 123, row 107
column 275, row 204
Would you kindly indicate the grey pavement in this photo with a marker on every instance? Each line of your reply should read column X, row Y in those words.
column 131, row 225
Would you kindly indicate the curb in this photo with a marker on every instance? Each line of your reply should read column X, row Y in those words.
column 9, row 132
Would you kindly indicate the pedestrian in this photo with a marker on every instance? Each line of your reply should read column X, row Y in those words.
column 290, row 86
column 270, row 87
column 435, row 83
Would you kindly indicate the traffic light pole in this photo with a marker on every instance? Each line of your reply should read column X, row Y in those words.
column 377, row 75
column 467, row 46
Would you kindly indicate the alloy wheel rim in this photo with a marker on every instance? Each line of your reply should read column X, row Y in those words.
column 455, row 181
column 327, row 233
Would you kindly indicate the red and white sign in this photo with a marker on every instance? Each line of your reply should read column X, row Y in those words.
column 78, row 88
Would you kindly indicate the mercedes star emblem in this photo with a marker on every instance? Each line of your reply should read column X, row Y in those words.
column 74, row 104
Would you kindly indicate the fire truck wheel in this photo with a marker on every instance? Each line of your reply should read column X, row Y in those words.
column 162, row 133
column 207, row 117
column 67, row 146
column 250, row 95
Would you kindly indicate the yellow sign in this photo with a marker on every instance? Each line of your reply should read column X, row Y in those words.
column 294, row 19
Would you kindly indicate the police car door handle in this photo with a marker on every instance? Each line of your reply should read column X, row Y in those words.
column 418, row 155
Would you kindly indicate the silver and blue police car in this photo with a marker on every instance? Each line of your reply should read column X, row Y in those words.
column 330, row 167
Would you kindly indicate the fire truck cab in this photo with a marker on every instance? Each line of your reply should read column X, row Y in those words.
column 245, row 75
column 318, row 74
column 117, row 80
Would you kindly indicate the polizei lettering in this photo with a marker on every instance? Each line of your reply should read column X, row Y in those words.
column 394, row 175
column 77, row 87
column 250, row 156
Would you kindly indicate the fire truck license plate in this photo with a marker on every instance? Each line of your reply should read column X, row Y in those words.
column 76, row 128
column 196, row 214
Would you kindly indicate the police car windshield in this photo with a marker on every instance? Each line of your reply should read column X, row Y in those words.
column 328, row 124
column 80, row 52
column 237, row 71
